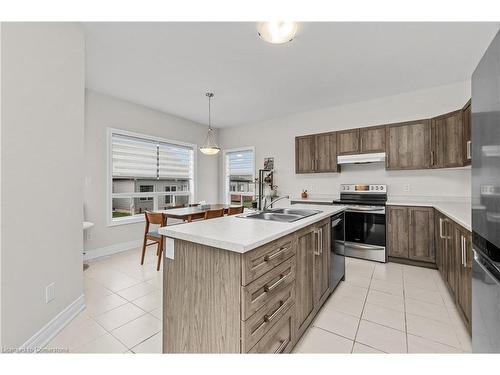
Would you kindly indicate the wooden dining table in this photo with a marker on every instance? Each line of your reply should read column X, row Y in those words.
column 192, row 213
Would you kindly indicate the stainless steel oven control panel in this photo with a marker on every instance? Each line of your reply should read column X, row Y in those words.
column 361, row 188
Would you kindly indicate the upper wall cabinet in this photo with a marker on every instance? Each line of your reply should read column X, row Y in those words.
column 304, row 154
column 316, row 153
column 361, row 141
column 372, row 139
column 447, row 140
column 348, row 142
column 467, row 133
column 408, row 146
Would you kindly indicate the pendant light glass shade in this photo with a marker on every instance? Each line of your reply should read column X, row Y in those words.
column 210, row 146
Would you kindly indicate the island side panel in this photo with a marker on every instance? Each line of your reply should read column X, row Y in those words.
column 201, row 300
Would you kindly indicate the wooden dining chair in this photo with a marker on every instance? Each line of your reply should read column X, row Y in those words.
column 155, row 218
column 211, row 214
column 235, row 210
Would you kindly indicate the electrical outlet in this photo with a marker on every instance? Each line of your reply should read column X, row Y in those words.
column 89, row 235
column 50, row 292
column 406, row 188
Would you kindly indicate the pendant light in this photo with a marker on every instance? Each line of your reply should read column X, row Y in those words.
column 209, row 146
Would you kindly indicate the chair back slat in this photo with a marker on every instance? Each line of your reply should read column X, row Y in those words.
column 235, row 210
column 156, row 218
column 214, row 213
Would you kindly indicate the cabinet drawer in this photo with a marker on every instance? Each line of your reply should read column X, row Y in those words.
column 261, row 322
column 279, row 338
column 261, row 291
column 261, row 260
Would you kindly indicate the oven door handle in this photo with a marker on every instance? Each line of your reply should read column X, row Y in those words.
column 357, row 246
column 376, row 212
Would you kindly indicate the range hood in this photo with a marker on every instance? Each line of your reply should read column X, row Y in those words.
column 378, row 157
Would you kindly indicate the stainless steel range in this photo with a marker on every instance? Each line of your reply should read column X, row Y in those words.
column 364, row 220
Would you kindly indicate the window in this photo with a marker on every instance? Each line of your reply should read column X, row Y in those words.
column 239, row 173
column 147, row 174
column 146, row 189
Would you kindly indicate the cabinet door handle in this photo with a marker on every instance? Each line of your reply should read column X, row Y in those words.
column 410, row 217
column 268, row 318
column 432, row 158
column 441, row 228
column 316, row 248
column 267, row 257
column 268, row 288
column 469, row 150
column 321, row 241
column 283, row 344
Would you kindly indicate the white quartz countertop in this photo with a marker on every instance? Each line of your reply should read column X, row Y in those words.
column 240, row 234
column 458, row 211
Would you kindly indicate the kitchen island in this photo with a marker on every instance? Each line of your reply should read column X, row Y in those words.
column 240, row 285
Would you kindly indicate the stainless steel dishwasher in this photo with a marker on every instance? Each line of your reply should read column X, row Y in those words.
column 337, row 261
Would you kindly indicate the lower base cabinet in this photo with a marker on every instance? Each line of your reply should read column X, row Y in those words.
column 262, row 301
column 434, row 238
column 410, row 233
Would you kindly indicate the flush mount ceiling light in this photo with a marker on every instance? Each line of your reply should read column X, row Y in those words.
column 210, row 146
column 277, row 32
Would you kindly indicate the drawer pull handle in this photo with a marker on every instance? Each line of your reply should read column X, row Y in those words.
column 283, row 344
column 268, row 318
column 268, row 288
column 267, row 258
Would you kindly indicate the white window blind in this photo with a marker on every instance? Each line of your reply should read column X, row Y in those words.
column 175, row 161
column 240, row 163
column 140, row 158
column 134, row 157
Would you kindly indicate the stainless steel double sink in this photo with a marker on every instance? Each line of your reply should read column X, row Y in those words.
column 287, row 215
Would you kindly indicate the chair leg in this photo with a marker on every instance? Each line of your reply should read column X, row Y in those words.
column 143, row 250
column 160, row 253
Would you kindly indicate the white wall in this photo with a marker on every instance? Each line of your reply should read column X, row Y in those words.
column 277, row 138
column 42, row 103
column 103, row 111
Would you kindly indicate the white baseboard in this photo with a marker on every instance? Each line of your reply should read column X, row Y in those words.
column 52, row 328
column 112, row 249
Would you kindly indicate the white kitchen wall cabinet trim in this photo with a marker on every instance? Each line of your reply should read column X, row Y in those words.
column 239, row 174
column 146, row 173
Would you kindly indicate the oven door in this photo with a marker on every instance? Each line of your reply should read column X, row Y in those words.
column 365, row 235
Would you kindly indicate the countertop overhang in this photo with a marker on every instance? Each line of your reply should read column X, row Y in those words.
column 240, row 234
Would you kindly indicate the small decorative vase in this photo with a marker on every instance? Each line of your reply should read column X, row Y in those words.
column 304, row 194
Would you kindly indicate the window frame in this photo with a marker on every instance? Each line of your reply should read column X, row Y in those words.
column 225, row 183
column 111, row 222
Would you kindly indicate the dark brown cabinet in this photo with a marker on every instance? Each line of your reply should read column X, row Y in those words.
column 467, row 133
column 408, row 146
column 325, row 153
column 312, row 283
column 304, row 154
column 447, row 140
column 463, row 268
column 316, row 153
column 322, row 262
column 410, row 233
column 304, row 298
column 397, row 231
column 372, row 139
column 348, row 142
column 421, row 234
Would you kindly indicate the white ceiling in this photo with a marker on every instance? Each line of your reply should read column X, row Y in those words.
column 170, row 66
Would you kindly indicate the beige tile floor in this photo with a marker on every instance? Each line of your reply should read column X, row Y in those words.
column 380, row 308
column 387, row 308
column 123, row 311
